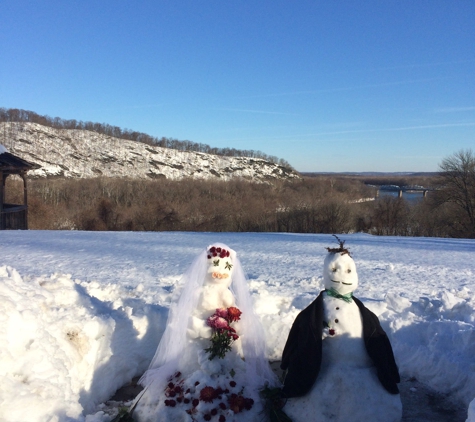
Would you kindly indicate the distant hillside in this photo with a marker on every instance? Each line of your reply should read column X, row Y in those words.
column 77, row 153
column 15, row 115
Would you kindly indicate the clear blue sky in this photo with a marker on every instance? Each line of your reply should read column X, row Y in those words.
column 362, row 85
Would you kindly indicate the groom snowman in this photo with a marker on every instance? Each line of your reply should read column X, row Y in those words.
column 339, row 361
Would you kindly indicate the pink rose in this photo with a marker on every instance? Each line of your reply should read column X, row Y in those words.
column 223, row 313
column 217, row 322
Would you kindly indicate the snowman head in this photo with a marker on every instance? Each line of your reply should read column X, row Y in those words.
column 339, row 270
column 220, row 265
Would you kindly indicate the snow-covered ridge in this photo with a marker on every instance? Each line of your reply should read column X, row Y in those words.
column 83, row 154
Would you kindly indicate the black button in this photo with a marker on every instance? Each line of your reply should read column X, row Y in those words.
column 337, row 308
column 336, row 320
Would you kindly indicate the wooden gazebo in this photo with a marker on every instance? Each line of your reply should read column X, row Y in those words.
column 13, row 216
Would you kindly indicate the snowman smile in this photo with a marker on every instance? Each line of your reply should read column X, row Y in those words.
column 342, row 282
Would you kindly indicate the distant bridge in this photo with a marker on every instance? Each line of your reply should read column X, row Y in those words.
column 401, row 189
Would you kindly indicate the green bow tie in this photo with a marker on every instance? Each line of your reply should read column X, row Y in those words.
column 347, row 297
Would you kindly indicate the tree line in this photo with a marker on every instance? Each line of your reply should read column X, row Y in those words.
column 310, row 205
column 19, row 115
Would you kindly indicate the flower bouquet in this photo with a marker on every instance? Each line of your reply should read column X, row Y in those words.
column 223, row 334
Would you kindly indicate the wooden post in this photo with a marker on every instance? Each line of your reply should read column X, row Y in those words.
column 399, row 195
column 2, row 200
column 2, row 191
column 25, row 198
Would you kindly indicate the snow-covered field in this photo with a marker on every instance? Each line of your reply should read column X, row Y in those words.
column 81, row 313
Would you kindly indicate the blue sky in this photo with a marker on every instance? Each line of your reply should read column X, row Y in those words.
column 327, row 85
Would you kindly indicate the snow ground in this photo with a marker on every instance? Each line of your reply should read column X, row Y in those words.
column 82, row 312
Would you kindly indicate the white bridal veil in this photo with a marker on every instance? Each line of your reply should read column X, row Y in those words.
column 170, row 355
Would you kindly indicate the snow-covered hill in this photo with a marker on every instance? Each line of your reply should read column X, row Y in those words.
column 84, row 154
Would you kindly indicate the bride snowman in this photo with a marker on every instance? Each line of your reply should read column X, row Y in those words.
column 339, row 361
column 210, row 363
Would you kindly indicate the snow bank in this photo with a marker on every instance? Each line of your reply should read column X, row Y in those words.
column 471, row 412
column 2, row 149
column 63, row 351
column 434, row 340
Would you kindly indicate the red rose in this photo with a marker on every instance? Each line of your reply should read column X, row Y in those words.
column 236, row 403
column 248, row 403
column 234, row 314
column 331, row 331
column 208, row 394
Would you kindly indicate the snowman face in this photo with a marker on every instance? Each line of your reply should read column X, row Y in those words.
column 339, row 273
column 220, row 268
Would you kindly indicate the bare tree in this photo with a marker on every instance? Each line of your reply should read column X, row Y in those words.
column 457, row 186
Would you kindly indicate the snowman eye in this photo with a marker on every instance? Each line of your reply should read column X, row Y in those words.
column 334, row 270
column 348, row 271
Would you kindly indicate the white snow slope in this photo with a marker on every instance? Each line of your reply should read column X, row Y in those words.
column 83, row 154
column 81, row 313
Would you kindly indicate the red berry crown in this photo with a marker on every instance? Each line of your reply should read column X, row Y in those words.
column 215, row 252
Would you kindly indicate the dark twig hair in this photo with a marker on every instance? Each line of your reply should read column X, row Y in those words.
column 341, row 249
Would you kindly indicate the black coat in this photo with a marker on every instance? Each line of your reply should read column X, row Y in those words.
column 302, row 355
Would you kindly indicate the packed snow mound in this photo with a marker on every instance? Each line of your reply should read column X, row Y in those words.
column 64, row 351
column 76, row 153
column 471, row 412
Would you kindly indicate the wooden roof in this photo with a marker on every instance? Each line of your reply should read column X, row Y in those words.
column 12, row 164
